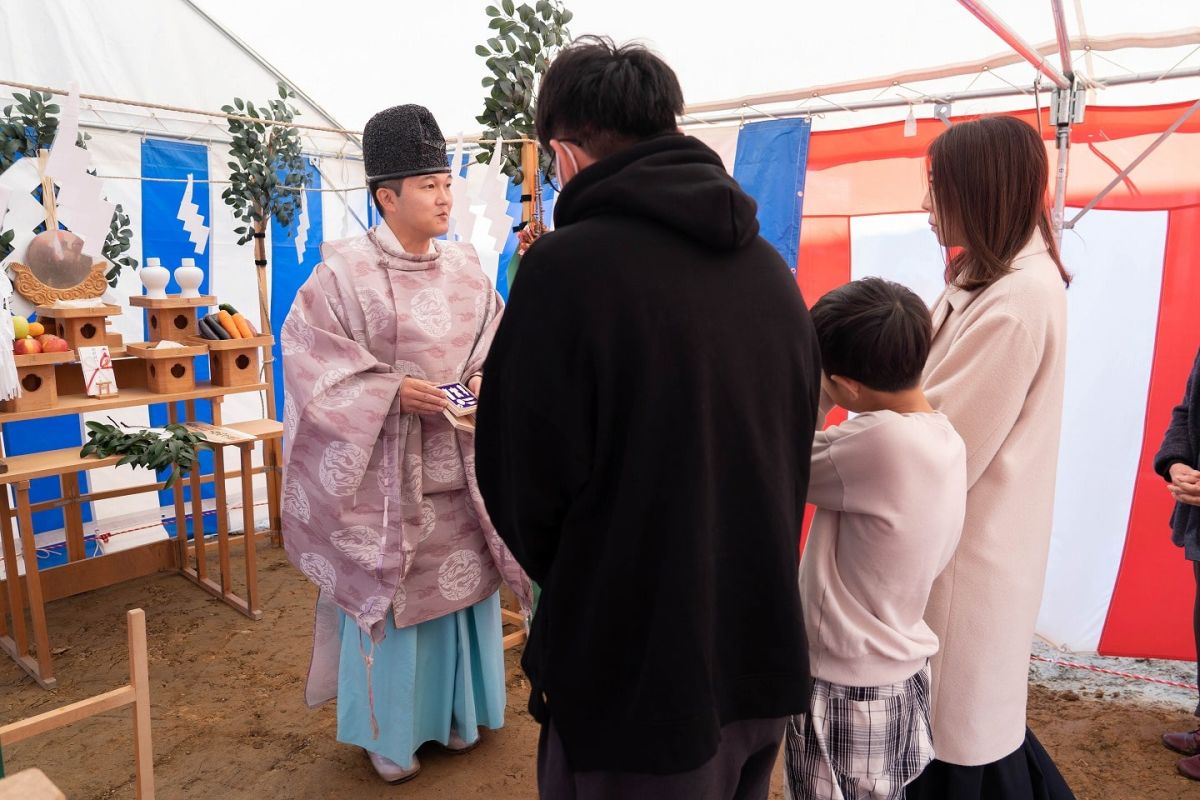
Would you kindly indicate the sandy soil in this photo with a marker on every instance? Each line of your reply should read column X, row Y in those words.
column 229, row 720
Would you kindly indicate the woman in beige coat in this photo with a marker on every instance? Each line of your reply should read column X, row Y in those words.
column 996, row 370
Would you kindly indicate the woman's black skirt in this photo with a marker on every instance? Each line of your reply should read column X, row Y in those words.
column 1027, row 774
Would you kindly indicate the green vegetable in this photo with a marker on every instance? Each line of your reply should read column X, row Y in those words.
column 206, row 329
column 218, row 328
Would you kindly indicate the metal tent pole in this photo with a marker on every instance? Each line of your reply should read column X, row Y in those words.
column 1133, row 164
column 1014, row 40
column 1068, row 108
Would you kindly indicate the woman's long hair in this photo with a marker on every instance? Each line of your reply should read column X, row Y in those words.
column 988, row 181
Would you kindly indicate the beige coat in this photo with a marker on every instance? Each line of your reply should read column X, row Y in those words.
column 996, row 370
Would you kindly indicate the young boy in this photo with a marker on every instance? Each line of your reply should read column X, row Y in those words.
column 890, row 488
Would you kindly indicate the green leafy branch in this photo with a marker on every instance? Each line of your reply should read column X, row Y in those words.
column 33, row 128
column 526, row 39
column 146, row 449
column 116, row 246
column 268, row 170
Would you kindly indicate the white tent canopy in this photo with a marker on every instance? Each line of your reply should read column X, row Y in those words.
column 369, row 55
column 354, row 58
column 720, row 50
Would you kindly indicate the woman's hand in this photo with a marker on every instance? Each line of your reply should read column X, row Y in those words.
column 475, row 383
column 421, row 397
column 1185, row 484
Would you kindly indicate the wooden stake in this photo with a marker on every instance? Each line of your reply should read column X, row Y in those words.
column 16, row 600
column 180, row 508
column 33, row 585
column 272, row 458
column 72, row 516
column 139, row 679
column 247, row 452
column 197, row 505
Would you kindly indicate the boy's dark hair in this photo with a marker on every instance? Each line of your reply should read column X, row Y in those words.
column 606, row 98
column 875, row 332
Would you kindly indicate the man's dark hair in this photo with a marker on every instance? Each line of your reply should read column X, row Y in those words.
column 395, row 184
column 606, row 98
column 875, row 332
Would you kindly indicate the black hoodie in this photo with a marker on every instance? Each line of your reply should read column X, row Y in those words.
column 643, row 447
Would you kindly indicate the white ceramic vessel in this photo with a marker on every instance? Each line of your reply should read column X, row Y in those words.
column 155, row 278
column 189, row 277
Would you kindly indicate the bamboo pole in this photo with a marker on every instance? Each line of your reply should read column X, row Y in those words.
column 264, row 308
column 529, row 167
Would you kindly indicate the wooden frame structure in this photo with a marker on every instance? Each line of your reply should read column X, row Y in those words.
column 136, row 694
column 518, row 636
column 81, row 574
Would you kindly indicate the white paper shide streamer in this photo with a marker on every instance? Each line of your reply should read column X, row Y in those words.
column 24, row 213
column 302, row 227
column 193, row 222
column 491, row 224
column 9, row 386
column 81, row 204
column 462, row 219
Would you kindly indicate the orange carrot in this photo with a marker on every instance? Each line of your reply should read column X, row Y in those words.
column 228, row 324
column 242, row 325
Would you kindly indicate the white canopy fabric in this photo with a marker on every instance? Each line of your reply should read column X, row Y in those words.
column 357, row 57
column 367, row 55
column 156, row 52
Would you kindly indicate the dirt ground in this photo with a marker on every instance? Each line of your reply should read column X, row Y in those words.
column 229, row 721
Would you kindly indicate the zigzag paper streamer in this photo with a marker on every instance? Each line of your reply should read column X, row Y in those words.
column 24, row 214
column 494, row 194
column 81, row 204
column 302, row 227
column 488, row 196
column 9, row 385
column 193, row 222
column 462, row 219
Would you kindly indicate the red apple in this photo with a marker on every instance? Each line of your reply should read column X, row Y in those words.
column 54, row 344
column 27, row 347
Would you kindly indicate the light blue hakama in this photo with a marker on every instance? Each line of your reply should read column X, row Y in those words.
column 445, row 673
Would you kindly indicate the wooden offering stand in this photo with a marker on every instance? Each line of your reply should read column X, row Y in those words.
column 39, row 386
column 172, row 317
column 169, row 369
column 81, row 327
column 234, row 362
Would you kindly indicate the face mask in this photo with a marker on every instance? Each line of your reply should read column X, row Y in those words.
column 574, row 164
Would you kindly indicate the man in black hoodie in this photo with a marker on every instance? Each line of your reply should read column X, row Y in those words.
column 643, row 445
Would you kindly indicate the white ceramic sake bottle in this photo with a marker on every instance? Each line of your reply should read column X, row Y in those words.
column 189, row 277
column 155, row 277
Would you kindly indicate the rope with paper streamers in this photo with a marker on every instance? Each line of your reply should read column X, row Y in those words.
column 219, row 114
column 1115, row 673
